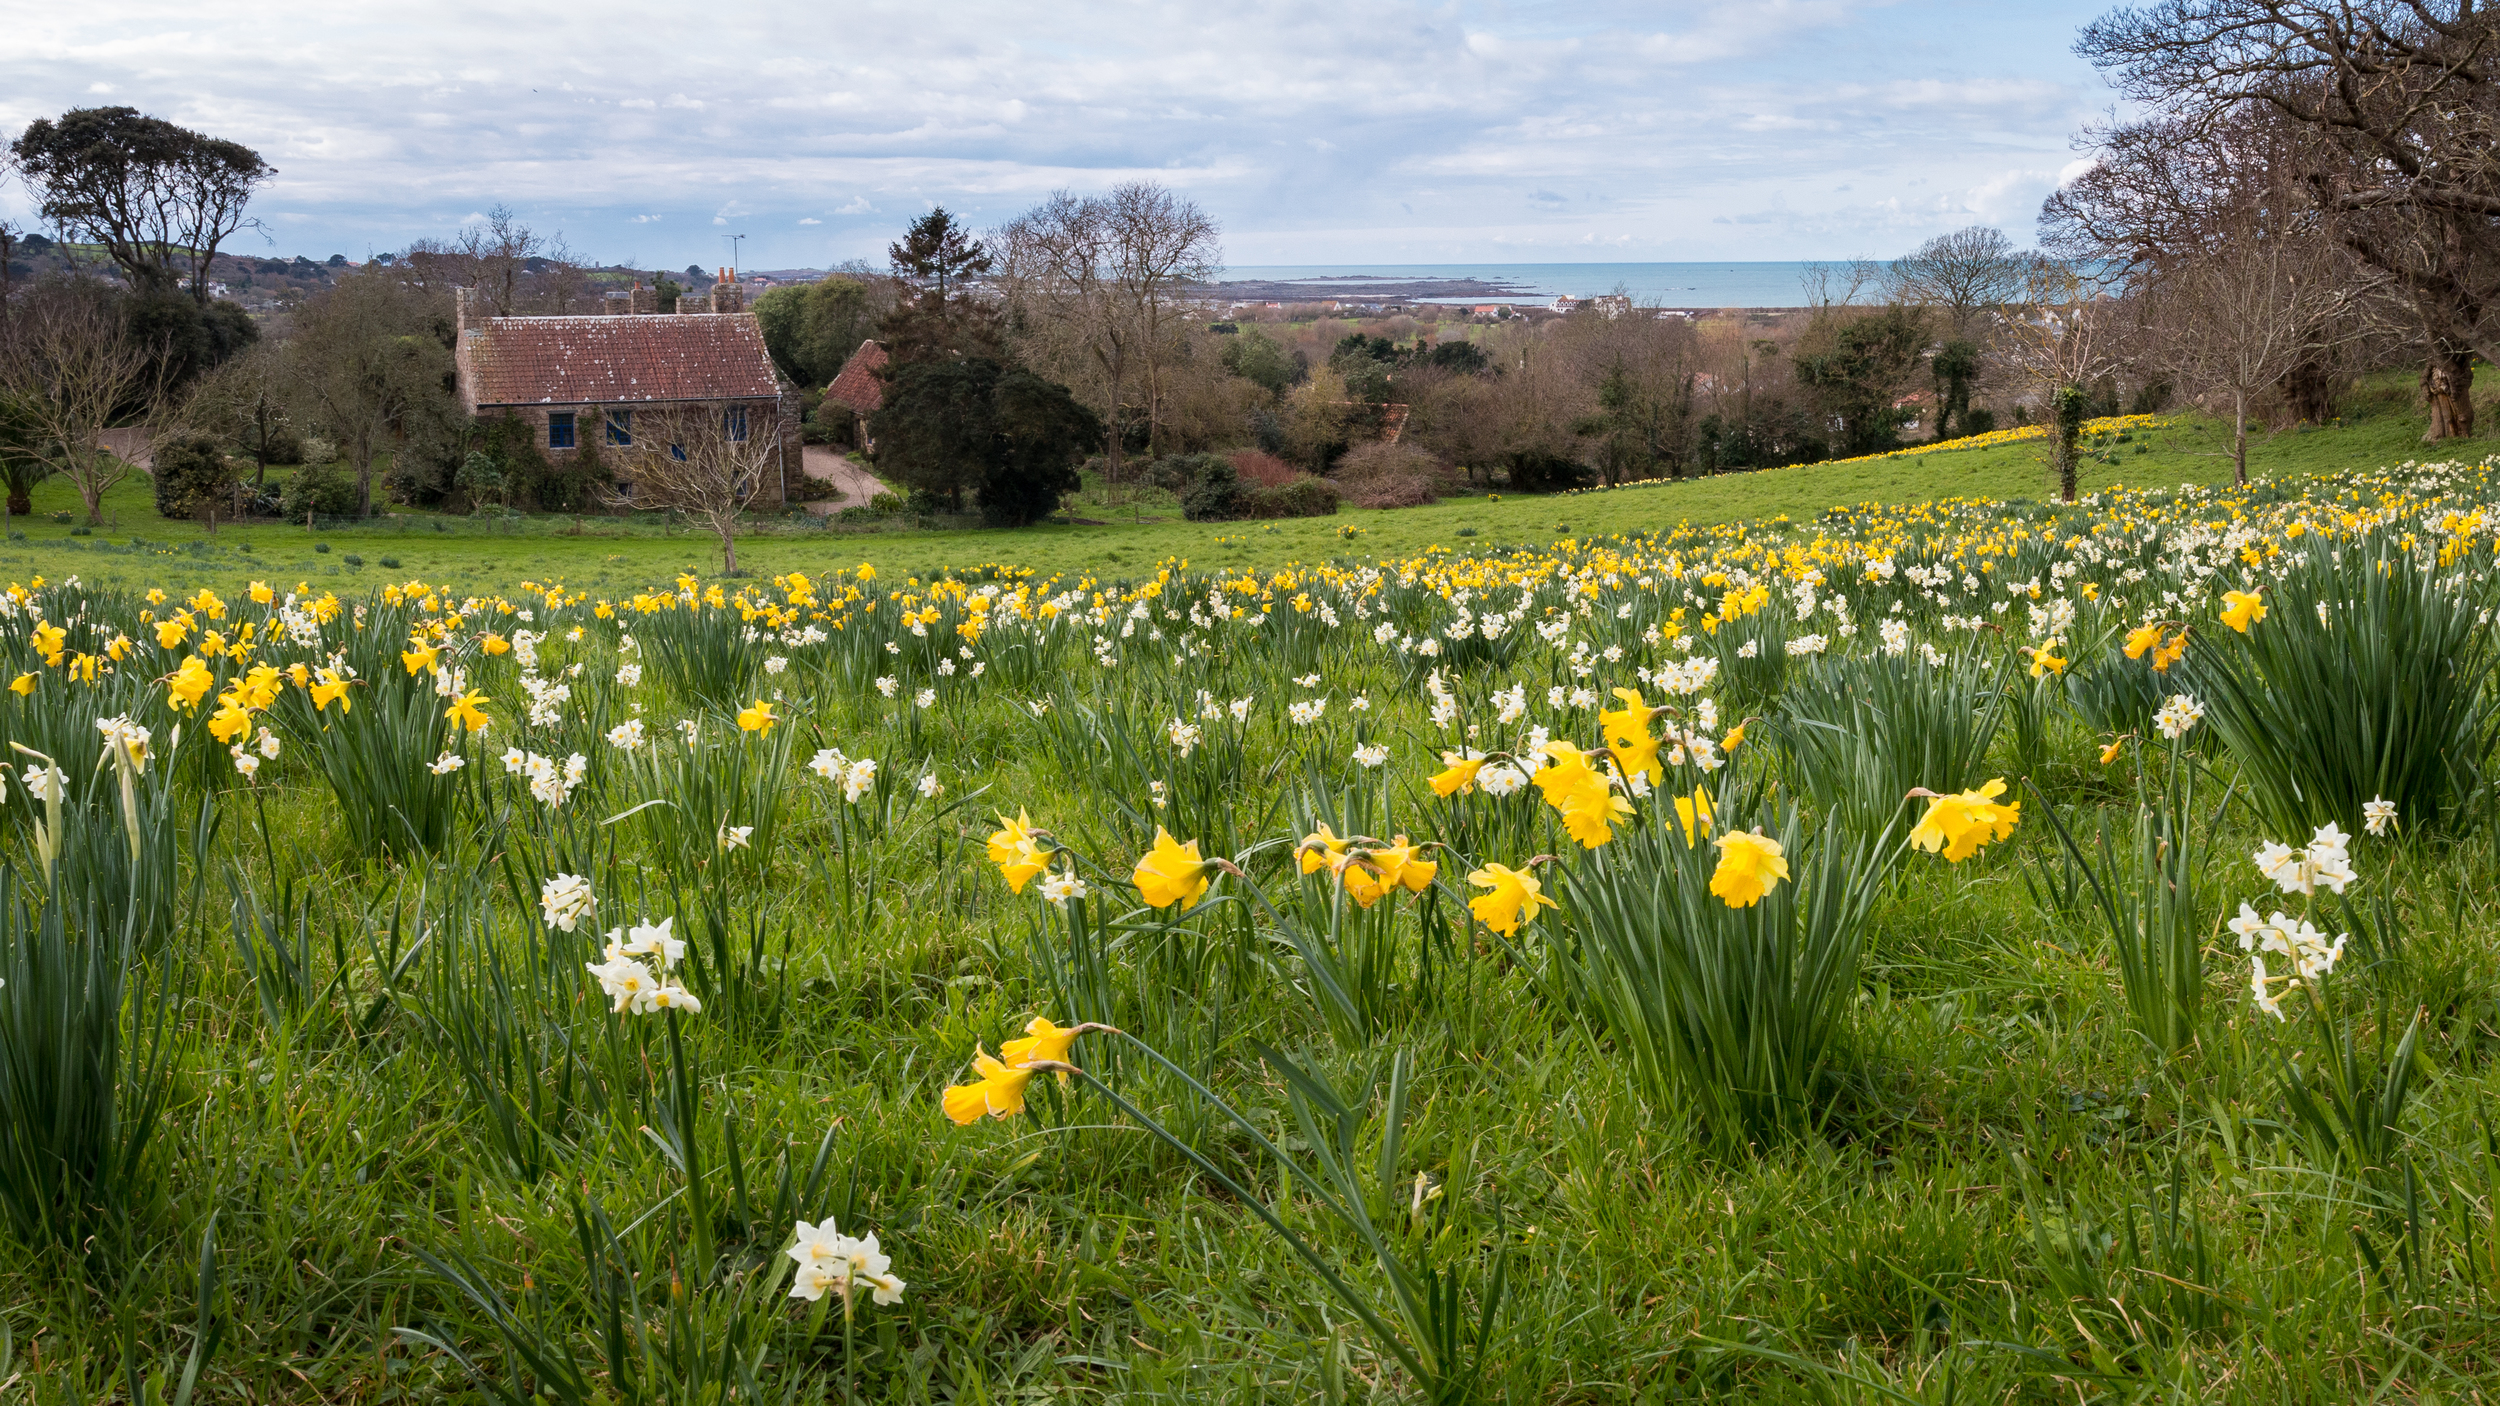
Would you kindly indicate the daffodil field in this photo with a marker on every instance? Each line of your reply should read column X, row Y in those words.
column 1943, row 954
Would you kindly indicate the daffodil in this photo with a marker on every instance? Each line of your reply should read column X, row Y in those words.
column 331, row 687
column 1373, row 874
column 2241, row 609
column 22, row 685
column 422, row 657
column 1627, row 736
column 1321, row 849
column 1693, row 812
column 1018, row 855
column 757, row 718
column 1751, row 864
column 1514, row 898
column 466, row 711
column 1960, row 824
column 189, row 684
column 999, row 1091
column 1171, row 872
column 1459, row 778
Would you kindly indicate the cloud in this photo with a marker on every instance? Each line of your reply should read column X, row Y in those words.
column 1314, row 130
column 811, row 220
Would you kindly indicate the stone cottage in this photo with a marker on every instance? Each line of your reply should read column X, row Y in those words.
column 633, row 376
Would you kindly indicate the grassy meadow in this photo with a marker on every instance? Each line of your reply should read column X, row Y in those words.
column 1123, row 535
column 1670, row 944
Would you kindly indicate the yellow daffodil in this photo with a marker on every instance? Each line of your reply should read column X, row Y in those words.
column 2241, row 609
column 261, row 594
column 1017, row 854
column 1171, row 872
column 1735, row 738
column 2142, row 638
column 1514, row 899
column 169, row 634
column 22, row 685
column 2110, row 753
column 999, row 1092
column 495, row 644
column 1959, row 824
column 467, row 711
column 2170, row 653
column 421, row 658
column 1321, row 849
column 757, row 718
column 1751, row 864
column 189, row 684
column 2046, row 660
column 1459, row 778
column 231, row 720
column 331, row 687
column 1693, row 812
column 1372, row 875
column 1627, row 736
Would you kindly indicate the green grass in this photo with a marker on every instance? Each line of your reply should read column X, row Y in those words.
column 2003, row 1196
column 602, row 555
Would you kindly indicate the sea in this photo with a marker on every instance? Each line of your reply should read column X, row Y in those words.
column 1733, row 284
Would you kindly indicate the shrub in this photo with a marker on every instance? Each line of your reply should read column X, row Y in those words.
column 284, row 446
column 319, row 451
column 323, row 489
column 192, row 477
column 1379, row 475
column 1301, row 496
column 1542, row 471
column 1261, row 469
column 1214, row 493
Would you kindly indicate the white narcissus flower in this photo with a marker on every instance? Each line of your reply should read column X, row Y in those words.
column 269, row 744
column 2177, row 715
column 623, row 981
column 929, row 787
column 565, row 900
column 629, row 674
column 447, row 763
column 2378, row 815
column 735, row 836
column 627, row 736
column 775, row 664
column 1059, row 888
column 245, row 763
column 1371, row 754
column 827, row 763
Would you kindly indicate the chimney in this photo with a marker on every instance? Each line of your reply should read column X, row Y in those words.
column 461, row 300
column 645, row 300
column 727, row 295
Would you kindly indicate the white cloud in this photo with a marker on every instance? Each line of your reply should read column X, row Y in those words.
column 811, row 220
column 1313, row 129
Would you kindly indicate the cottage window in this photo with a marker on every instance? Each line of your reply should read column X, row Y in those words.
column 560, row 430
column 734, row 421
column 677, row 452
column 620, row 427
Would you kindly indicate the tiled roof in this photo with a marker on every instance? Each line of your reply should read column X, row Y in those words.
column 858, row 385
column 616, row 359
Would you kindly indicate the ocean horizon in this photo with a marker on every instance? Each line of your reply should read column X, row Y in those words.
column 1722, row 284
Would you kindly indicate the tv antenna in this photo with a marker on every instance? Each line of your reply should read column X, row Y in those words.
column 733, row 252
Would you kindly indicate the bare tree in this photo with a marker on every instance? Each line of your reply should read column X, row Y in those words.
column 2402, row 101
column 69, row 366
column 243, row 402
column 703, row 465
column 2063, row 334
column 367, row 359
column 1840, row 284
column 2234, row 319
column 1097, row 290
column 1963, row 274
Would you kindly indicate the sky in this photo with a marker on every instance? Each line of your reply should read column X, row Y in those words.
column 1314, row 131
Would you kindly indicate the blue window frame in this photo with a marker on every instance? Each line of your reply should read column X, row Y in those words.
column 620, row 427
column 734, row 421
column 560, row 430
column 677, row 452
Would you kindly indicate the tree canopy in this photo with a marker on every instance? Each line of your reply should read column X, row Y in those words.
column 159, row 198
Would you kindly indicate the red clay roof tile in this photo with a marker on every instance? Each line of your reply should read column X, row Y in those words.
column 858, row 385
column 618, row 359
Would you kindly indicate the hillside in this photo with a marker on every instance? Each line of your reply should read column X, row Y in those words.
column 2382, row 427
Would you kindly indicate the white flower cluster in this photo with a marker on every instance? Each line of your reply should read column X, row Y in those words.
column 1184, row 736
column 857, row 777
column 628, row 736
column 565, row 900
column 2178, row 713
column 633, row 986
column 839, row 1264
column 2325, row 862
column 551, row 783
column 1306, row 711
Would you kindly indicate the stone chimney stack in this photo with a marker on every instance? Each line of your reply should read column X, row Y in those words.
column 645, row 300
column 727, row 294
column 463, row 307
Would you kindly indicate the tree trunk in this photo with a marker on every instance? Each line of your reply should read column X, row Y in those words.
column 728, row 552
column 2239, row 439
column 2448, row 390
column 21, row 500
